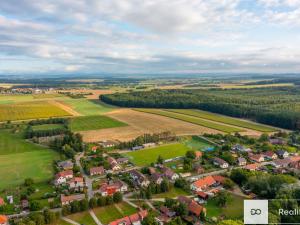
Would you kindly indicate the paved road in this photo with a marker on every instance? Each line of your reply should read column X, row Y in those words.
column 88, row 181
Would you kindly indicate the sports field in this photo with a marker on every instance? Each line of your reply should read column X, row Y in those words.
column 194, row 120
column 150, row 155
column 87, row 107
column 224, row 119
column 84, row 123
column 20, row 159
column 30, row 110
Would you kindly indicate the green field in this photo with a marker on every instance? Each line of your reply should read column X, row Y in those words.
column 149, row 155
column 192, row 119
column 47, row 127
column 88, row 107
column 110, row 213
column 174, row 192
column 30, row 110
column 20, row 159
column 93, row 123
column 224, row 119
column 196, row 143
column 82, row 218
column 233, row 210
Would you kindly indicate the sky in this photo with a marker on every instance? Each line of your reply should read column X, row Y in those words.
column 149, row 36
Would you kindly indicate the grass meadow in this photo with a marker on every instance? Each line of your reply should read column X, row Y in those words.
column 82, row 218
column 93, row 123
column 149, row 155
column 20, row 159
column 194, row 120
column 47, row 127
column 224, row 119
column 30, row 110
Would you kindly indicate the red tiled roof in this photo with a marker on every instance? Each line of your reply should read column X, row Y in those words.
column 64, row 173
column 253, row 166
column 195, row 208
column 219, row 179
column 3, row 219
column 98, row 170
column 202, row 194
column 269, row 153
column 198, row 154
column 204, row 182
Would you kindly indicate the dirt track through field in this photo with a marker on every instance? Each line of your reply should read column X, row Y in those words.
column 65, row 107
column 140, row 123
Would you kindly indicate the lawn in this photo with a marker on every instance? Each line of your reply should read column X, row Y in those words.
column 20, row 159
column 110, row 213
column 30, row 110
column 193, row 119
column 224, row 119
column 82, row 218
column 149, row 155
column 88, row 107
column 93, row 123
column 233, row 210
column 174, row 192
column 47, row 127
column 196, row 143
column 61, row 222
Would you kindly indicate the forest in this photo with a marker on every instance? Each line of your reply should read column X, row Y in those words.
column 276, row 106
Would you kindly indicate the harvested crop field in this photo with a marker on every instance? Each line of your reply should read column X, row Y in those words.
column 140, row 123
column 30, row 110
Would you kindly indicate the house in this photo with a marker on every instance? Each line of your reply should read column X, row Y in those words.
column 198, row 155
column 25, row 204
column 152, row 170
column 198, row 168
column 99, row 170
column 282, row 154
column 63, row 176
column 10, row 199
column 220, row 162
column 193, row 207
column 167, row 212
column 95, row 148
column 2, row 203
column 107, row 189
column 281, row 163
column 256, row 158
column 240, row 148
column 277, row 141
column 122, row 160
column 114, row 165
column 66, row 165
column 202, row 195
column 76, row 183
column 108, row 144
column 66, row 200
column 139, row 178
column 270, row 155
column 134, row 219
column 170, row 174
column 156, row 178
column 203, row 183
column 135, row 148
column 3, row 220
column 252, row 167
column 241, row 161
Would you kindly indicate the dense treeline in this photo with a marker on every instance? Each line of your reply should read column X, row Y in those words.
column 38, row 218
column 48, row 121
column 69, row 145
column 148, row 138
column 273, row 106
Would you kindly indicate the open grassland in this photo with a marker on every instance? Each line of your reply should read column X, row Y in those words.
column 224, row 119
column 20, row 159
column 93, row 123
column 82, row 218
column 47, row 127
column 30, row 110
column 245, row 86
column 110, row 213
column 192, row 119
column 140, row 123
column 87, row 107
column 150, row 155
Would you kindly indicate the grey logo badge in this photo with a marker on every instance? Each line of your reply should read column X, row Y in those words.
column 256, row 212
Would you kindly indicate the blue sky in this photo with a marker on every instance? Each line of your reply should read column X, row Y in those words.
column 150, row 36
